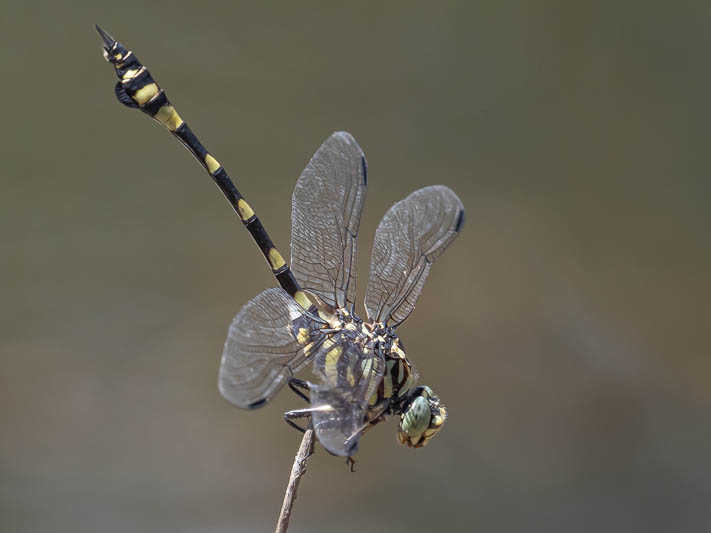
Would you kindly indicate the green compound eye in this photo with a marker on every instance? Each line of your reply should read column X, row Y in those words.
column 416, row 419
column 421, row 419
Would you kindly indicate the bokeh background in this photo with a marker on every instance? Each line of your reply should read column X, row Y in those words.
column 566, row 329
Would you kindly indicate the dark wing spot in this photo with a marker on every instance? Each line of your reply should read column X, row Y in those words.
column 364, row 166
column 258, row 403
column 460, row 221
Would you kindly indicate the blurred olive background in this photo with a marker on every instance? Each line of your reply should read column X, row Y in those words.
column 566, row 329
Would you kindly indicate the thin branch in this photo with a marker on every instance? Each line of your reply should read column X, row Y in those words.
column 297, row 471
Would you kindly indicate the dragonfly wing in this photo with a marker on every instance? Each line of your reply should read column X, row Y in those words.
column 269, row 340
column 412, row 234
column 326, row 209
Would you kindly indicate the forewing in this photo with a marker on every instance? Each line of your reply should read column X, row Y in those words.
column 340, row 402
column 326, row 208
column 412, row 234
column 269, row 340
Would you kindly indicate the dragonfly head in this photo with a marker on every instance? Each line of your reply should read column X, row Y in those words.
column 421, row 418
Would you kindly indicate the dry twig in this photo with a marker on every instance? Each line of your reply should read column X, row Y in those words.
column 297, row 471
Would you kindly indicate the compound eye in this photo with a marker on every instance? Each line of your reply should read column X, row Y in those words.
column 422, row 419
column 416, row 418
column 414, row 421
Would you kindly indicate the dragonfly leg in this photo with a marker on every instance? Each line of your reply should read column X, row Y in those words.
column 367, row 425
column 297, row 414
column 361, row 431
column 300, row 388
column 351, row 462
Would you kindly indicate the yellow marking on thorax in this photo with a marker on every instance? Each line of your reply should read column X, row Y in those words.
column 308, row 348
column 245, row 211
column 330, row 366
column 332, row 320
column 388, row 380
column 303, row 336
column 350, row 377
column 167, row 116
column 407, row 386
column 372, row 366
column 145, row 93
column 301, row 298
column 328, row 343
column 395, row 348
column 212, row 163
column 275, row 259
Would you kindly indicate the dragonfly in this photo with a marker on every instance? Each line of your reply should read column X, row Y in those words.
column 361, row 372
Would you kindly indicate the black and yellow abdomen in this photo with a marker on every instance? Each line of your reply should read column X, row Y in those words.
column 136, row 88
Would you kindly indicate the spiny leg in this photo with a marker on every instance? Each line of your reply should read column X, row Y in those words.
column 350, row 461
column 297, row 414
column 366, row 426
column 297, row 386
column 136, row 88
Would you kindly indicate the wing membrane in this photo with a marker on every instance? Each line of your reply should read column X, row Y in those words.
column 412, row 234
column 269, row 340
column 340, row 402
column 326, row 209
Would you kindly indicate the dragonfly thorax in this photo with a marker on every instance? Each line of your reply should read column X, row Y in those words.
column 375, row 338
column 398, row 375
